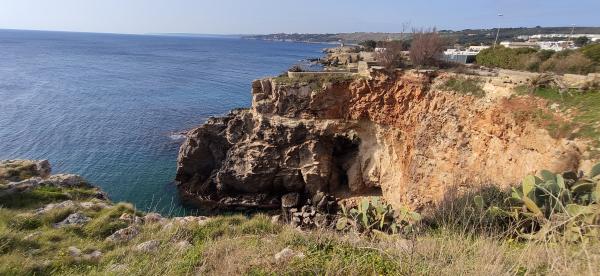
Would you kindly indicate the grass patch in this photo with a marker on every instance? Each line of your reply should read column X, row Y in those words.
column 106, row 221
column 17, row 170
column 584, row 109
column 44, row 195
column 465, row 85
column 240, row 245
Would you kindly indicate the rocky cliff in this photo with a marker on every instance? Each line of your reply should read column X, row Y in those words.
column 399, row 135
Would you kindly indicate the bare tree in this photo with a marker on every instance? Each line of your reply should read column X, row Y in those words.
column 426, row 47
column 391, row 57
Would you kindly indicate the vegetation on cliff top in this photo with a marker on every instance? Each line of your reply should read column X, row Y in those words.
column 579, row 114
column 465, row 85
column 458, row 239
column 582, row 61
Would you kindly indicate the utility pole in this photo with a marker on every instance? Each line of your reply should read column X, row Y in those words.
column 570, row 37
column 572, row 30
column 497, row 32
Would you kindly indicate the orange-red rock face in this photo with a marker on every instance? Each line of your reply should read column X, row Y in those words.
column 418, row 143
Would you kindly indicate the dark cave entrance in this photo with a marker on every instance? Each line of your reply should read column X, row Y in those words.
column 345, row 154
column 345, row 151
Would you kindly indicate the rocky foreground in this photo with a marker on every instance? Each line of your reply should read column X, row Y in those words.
column 63, row 225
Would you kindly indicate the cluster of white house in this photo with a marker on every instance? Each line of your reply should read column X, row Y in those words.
column 592, row 37
column 534, row 41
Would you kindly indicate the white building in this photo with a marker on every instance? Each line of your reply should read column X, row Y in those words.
column 592, row 37
column 556, row 45
column 463, row 56
column 514, row 45
column 477, row 49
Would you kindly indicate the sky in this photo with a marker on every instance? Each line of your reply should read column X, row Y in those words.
column 301, row 16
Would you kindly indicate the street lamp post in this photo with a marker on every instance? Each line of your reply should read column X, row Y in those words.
column 497, row 32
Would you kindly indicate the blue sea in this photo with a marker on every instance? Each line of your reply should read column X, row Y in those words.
column 109, row 107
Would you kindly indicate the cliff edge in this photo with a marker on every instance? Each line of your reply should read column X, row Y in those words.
column 401, row 135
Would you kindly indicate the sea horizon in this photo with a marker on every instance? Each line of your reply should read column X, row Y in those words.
column 110, row 107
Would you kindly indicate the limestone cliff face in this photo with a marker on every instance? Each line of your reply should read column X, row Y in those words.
column 396, row 135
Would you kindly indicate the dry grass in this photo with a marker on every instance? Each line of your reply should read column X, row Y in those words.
column 456, row 244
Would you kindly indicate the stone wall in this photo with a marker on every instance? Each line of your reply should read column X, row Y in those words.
column 295, row 75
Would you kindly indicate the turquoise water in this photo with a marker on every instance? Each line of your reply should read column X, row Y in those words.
column 107, row 106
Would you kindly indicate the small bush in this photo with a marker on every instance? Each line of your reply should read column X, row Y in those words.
column 504, row 57
column 34, row 198
column 56, row 215
column 368, row 45
column 592, row 52
column 107, row 221
column 573, row 63
column 259, row 225
column 567, row 61
column 10, row 242
column 25, row 222
column 218, row 227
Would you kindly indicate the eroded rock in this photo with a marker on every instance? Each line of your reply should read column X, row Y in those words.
column 73, row 219
column 153, row 218
column 148, row 247
column 287, row 254
column 62, row 205
column 124, row 235
column 396, row 135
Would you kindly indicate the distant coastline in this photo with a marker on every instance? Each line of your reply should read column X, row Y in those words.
column 474, row 36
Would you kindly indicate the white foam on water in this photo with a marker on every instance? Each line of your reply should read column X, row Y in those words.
column 177, row 136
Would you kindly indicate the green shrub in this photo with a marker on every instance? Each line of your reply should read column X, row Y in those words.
column 568, row 62
column 504, row 57
column 369, row 45
column 34, row 198
column 544, row 55
column 220, row 226
column 592, row 52
column 259, row 225
column 56, row 215
column 11, row 241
